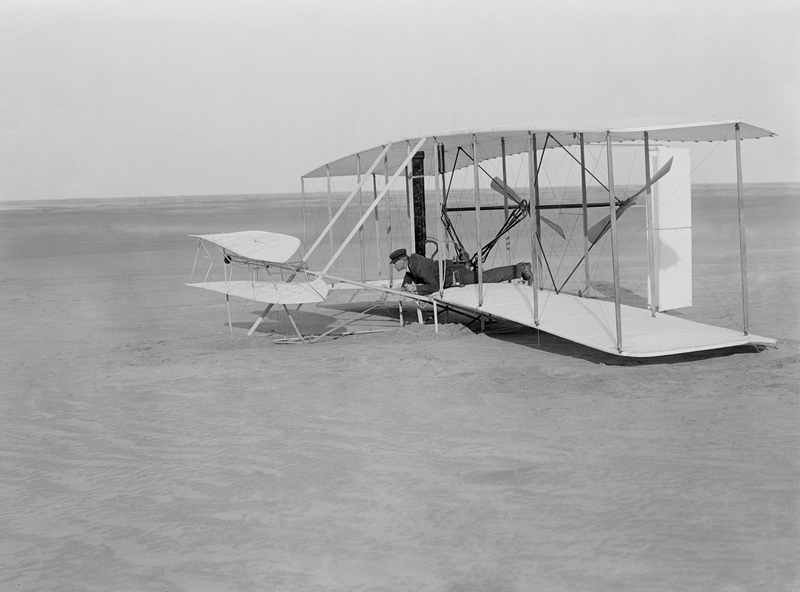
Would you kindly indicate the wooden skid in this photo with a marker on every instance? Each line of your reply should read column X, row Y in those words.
column 591, row 322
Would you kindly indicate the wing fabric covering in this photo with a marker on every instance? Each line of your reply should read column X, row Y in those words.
column 266, row 247
column 590, row 322
column 271, row 292
column 258, row 245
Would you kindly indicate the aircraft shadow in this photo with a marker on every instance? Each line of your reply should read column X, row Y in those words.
column 385, row 315
column 540, row 340
column 310, row 323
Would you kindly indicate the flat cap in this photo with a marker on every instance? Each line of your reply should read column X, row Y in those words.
column 397, row 255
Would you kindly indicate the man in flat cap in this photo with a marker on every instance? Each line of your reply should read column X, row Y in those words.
column 422, row 273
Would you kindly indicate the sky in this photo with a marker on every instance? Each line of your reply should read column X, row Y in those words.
column 120, row 98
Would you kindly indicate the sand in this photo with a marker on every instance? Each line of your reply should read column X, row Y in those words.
column 145, row 447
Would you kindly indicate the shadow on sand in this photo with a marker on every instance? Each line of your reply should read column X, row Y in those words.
column 539, row 340
column 372, row 316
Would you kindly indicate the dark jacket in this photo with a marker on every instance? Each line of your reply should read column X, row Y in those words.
column 424, row 273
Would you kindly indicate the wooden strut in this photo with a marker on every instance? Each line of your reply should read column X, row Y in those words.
column 303, row 201
column 447, row 306
column 478, row 221
column 377, row 225
column 370, row 209
column 331, row 219
column 360, row 213
column 607, row 224
column 296, row 330
column 409, row 206
column 196, row 254
column 344, row 324
column 585, row 205
column 519, row 209
column 266, row 310
column 437, row 166
column 388, row 220
column 259, row 319
column 650, row 231
column 614, row 251
column 742, row 233
column 538, row 226
column 505, row 196
column 532, row 182
column 334, row 218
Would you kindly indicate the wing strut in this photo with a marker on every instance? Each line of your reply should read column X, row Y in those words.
column 372, row 206
column 347, row 201
column 597, row 231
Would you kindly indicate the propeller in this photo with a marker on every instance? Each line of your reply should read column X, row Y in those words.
column 600, row 228
column 497, row 185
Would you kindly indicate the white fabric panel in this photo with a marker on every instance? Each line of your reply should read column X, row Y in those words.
column 674, row 258
column 591, row 322
column 258, row 245
column 269, row 292
column 673, row 193
column 672, row 223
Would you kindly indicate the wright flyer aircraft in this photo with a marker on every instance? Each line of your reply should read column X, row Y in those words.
column 602, row 212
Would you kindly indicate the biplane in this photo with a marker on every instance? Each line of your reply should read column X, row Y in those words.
column 487, row 196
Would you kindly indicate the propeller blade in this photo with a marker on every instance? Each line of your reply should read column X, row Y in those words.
column 497, row 185
column 596, row 232
column 654, row 179
column 554, row 226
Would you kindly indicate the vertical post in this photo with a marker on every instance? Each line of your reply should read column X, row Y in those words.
column 369, row 211
column 330, row 206
column 443, row 181
column 389, row 248
column 651, row 258
column 742, row 233
column 420, row 210
column 344, row 205
column 377, row 226
column 438, row 150
column 360, row 213
column 479, row 255
column 409, row 206
column 584, row 200
column 303, row 201
column 539, row 281
column 534, row 242
column 505, row 196
column 614, row 255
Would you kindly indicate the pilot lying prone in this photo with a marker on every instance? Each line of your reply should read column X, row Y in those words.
column 422, row 274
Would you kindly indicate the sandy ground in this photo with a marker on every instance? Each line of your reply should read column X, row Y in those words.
column 144, row 447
